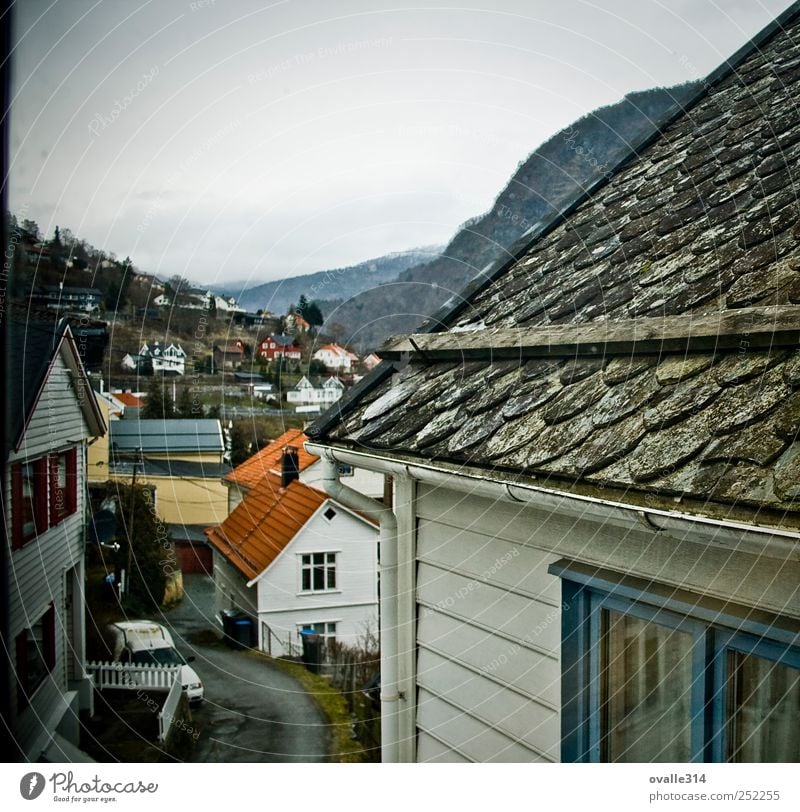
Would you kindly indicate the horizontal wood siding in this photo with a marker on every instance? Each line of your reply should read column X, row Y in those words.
column 57, row 421
column 488, row 614
column 468, row 735
column 433, row 751
column 488, row 636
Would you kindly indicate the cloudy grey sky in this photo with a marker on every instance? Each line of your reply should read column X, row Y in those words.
column 248, row 139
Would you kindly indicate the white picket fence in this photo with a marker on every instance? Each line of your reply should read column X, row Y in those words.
column 133, row 677
column 144, row 678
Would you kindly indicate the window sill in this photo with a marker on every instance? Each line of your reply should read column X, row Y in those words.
column 307, row 593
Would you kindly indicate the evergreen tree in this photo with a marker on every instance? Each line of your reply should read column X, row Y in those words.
column 158, row 405
column 185, row 405
column 145, row 549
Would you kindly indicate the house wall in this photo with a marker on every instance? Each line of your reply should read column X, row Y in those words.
column 186, row 456
column 187, row 500
column 352, row 606
column 57, row 420
column 235, row 495
column 97, row 469
column 41, row 570
column 230, row 588
column 489, row 615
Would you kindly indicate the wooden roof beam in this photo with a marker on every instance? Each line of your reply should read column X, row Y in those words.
column 744, row 329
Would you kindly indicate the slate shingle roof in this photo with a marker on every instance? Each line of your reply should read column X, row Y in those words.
column 703, row 220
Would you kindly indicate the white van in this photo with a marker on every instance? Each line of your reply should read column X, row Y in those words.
column 143, row 642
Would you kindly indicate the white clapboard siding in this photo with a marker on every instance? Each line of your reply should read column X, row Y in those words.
column 470, row 736
column 715, row 569
column 57, row 421
column 484, row 557
column 431, row 750
column 533, row 673
column 533, row 723
column 489, row 606
column 488, row 637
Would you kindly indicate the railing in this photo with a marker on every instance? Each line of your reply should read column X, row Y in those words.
column 168, row 711
column 133, row 677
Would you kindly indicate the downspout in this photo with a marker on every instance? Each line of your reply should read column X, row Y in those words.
column 390, row 693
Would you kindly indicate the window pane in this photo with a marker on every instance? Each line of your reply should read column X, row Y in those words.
column 28, row 499
column 331, row 577
column 646, row 690
column 306, row 579
column 763, row 708
column 319, row 577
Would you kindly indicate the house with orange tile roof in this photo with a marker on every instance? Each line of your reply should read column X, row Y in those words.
column 336, row 357
column 242, row 479
column 296, row 560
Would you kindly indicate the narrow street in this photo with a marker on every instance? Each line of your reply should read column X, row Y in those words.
column 253, row 712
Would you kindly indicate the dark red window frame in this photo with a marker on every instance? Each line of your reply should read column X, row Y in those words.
column 51, row 503
column 63, row 500
column 40, row 519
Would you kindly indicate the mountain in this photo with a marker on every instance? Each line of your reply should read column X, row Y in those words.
column 551, row 176
column 336, row 284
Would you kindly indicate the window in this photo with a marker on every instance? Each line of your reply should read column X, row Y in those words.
column 317, row 572
column 651, row 674
column 35, row 655
column 327, row 631
column 44, row 492
column 29, row 500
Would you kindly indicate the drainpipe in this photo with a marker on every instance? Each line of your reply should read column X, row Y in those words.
column 390, row 694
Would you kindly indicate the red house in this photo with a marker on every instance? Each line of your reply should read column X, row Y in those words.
column 279, row 346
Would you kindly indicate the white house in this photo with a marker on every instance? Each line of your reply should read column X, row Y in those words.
column 295, row 560
column 595, row 453
column 53, row 414
column 305, row 393
column 170, row 358
column 336, row 357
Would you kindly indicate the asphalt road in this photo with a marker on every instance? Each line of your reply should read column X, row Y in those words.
column 253, row 712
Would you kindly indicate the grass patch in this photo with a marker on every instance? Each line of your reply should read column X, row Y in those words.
column 343, row 748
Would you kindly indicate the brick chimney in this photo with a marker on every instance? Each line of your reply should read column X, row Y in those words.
column 290, row 466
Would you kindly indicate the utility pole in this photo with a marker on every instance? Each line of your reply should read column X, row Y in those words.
column 131, row 511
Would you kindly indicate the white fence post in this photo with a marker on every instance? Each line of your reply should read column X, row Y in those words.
column 167, row 714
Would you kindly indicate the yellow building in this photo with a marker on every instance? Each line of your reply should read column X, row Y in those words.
column 181, row 459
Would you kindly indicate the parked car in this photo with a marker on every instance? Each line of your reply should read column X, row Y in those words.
column 143, row 642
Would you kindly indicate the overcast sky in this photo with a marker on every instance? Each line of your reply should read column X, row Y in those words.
column 245, row 139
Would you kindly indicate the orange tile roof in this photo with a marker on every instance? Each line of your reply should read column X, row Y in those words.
column 268, row 460
column 264, row 523
column 127, row 399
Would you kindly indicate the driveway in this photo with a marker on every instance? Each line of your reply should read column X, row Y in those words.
column 252, row 711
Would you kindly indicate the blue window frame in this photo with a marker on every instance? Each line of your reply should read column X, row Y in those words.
column 651, row 673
